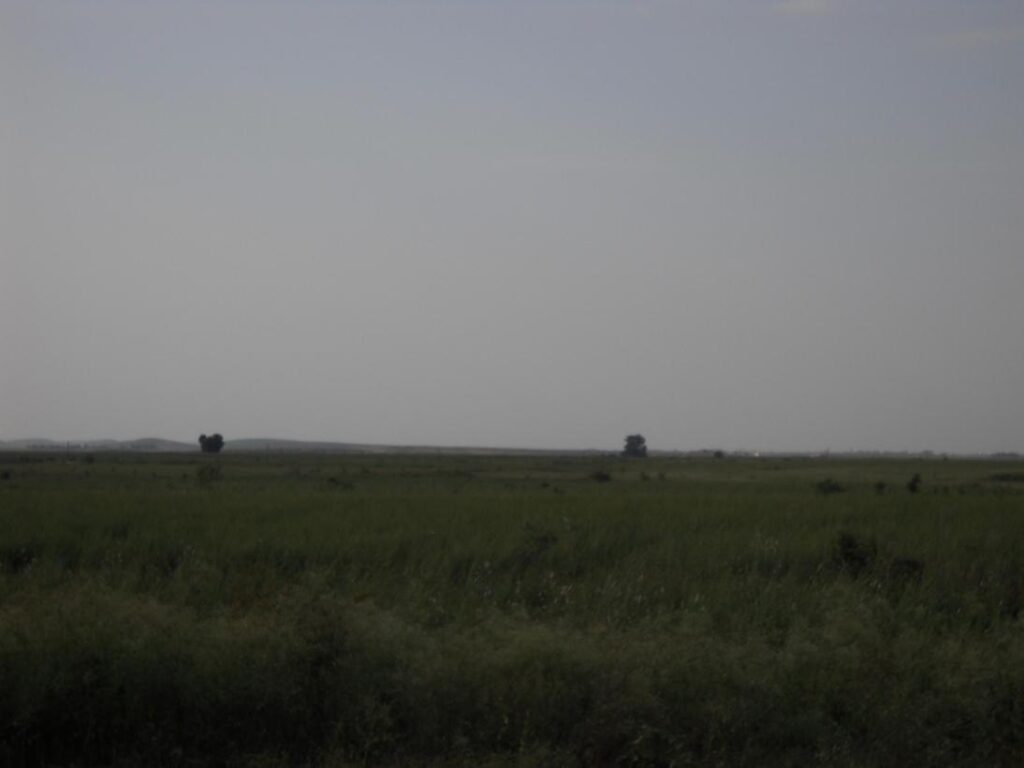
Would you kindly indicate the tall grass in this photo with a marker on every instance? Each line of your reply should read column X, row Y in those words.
column 448, row 611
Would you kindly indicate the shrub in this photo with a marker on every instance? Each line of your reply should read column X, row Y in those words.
column 851, row 555
column 829, row 486
column 208, row 474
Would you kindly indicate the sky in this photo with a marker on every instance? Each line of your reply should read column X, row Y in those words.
column 758, row 225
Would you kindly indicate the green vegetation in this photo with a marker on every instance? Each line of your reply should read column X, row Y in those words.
column 212, row 444
column 304, row 610
column 636, row 447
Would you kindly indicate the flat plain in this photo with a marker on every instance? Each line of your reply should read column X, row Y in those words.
column 340, row 610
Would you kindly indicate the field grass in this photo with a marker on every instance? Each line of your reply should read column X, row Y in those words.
column 305, row 610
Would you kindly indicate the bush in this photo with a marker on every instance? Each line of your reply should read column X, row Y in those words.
column 209, row 474
column 851, row 555
column 829, row 486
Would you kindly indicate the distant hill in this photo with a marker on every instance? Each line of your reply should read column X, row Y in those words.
column 31, row 443
column 270, row 445
column 158, row 444
column 148, row 444
column 277, row 444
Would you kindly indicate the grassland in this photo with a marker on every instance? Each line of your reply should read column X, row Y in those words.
column 259, row 610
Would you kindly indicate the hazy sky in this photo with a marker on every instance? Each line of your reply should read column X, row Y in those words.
column 735, row 224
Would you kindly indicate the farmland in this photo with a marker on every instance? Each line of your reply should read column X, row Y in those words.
column 329, row 610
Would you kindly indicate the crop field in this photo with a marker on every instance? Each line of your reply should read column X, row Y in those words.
column 416, row 610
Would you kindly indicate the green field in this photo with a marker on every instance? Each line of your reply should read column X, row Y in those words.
column 305, row 610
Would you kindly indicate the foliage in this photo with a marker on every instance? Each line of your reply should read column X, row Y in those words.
column 211, row 443
column 636, row 447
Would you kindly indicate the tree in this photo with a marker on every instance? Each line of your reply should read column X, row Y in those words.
column 636, row 447
column 212, row 443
